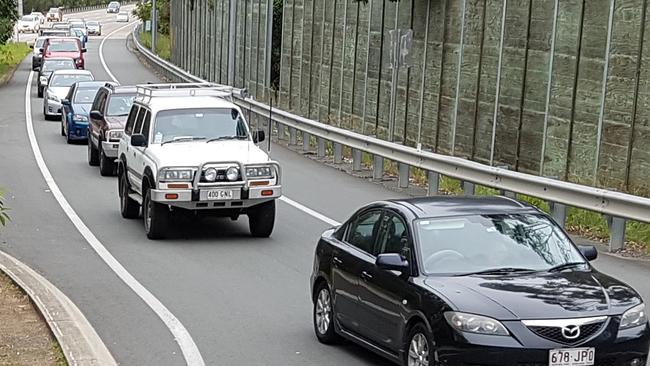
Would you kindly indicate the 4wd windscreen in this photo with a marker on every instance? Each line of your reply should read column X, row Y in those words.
column 469, row 244
column 53, row 65
column 199, row 124
column 28, row 18
column 68, row 80
column 119, row 105
column 63, row 47
column 85, row 95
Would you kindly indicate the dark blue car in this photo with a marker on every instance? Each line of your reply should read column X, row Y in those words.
column 76, row 107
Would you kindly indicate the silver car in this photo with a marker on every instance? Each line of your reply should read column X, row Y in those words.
column 57, row 88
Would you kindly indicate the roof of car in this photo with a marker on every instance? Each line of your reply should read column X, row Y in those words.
column 124, row 89
column 176, row 102
column 90, row 84
column 440, row 206
column 73, row 72
column 58, row 58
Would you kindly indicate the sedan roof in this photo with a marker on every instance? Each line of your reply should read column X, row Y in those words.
column 73, row 72
column 441, row 206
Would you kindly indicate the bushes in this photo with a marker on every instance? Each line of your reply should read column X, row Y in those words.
column 11, row 54
column 163, row 44
column 8, row 16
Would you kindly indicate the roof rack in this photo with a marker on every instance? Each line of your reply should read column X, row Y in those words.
column 147, row 91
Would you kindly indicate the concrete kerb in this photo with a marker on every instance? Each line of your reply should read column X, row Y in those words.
column 80, row 343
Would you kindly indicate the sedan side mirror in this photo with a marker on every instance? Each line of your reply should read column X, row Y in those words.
column 392, row 262
column 84, row 50
column 41, row 50
column 95, row 114
column 258, row 136
column 589, row 252
column 65, row 102
column 138, row 140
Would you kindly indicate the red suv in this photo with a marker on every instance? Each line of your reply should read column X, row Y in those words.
column 65, row 47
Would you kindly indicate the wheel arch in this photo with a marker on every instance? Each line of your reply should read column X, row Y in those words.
column 148, row 180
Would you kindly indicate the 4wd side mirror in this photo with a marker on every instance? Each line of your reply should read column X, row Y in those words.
column 65, row 102
column 392, row 262
column 589, row 252
column 95, row 114
column 138, row 140
column 258, row 136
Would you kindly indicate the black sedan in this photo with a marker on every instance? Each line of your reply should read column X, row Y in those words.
column 472, row 281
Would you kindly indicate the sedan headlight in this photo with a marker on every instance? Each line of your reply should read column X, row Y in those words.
column 634, row 317
column 176, row 174
column 232, row 173
column 43, row 80
column 475, row 324
column 114, row 134
column 53, row 97
column 79, row 117
column 259, row 172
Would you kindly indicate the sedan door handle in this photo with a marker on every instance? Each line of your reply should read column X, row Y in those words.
column 337, row 261
column 366, row 276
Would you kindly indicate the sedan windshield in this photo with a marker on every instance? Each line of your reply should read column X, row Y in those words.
column 53, row 65
column 28, row 18
column 69, row 79
column 85, row 95
column 199, row 124
column 63, row 47
column 119, row 105
column 493, row 243
column 92, row 24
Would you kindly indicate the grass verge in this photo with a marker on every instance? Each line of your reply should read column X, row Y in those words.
column 10, row 55
column 163, row 44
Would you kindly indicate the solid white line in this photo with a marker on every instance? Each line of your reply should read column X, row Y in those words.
column 101, row 51
column 182, row 336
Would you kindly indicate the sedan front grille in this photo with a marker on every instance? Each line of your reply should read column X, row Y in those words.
column 556, row 334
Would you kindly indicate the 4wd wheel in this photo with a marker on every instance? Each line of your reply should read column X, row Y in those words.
column 419, row 351
column 261, row 219
column 128, row 207
column 323, row 315
column 106, row 164
column 93, row 156
column 156, row 217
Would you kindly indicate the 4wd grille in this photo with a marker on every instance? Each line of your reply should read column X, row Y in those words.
column 555, row 333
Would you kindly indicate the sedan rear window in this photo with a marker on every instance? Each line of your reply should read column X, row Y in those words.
column 28, row 18
column 53, row 65
column 63, row 47
column 468, row 244
column 69, row 79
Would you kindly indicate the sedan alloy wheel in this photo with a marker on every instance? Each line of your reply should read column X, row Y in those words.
column 418, row 351
column 323, row 311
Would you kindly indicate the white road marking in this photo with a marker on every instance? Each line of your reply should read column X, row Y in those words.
column 181, row 335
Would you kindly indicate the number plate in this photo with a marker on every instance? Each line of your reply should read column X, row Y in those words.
column 219, row 194
column 572, row 357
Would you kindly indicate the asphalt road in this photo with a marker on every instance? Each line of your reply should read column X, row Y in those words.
column 242, row 300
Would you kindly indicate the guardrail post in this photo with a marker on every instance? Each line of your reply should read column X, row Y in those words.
column 558, row 211
column 502, row 192
column 338, row 153
column 292, row 136
column 433, row 178
column 378, row 167
column 306, row 137
column 468, row 188
column 281, row 131
column 356, row 160
column 404, row 171
column 617, row 233
column 321, row 147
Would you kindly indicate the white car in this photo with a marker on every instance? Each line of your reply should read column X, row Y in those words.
column 54, row 15
column 29, row 23
column 57, row 88
column 122, row 16
column 188, row 148
column 39, row 15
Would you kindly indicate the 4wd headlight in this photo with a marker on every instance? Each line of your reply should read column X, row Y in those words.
column 475, row 323
column 634, row 317
column 79, row 117
column 210, row 174
column 176, row 174
column 114, row 134
column 259, row 172
column 232, row 173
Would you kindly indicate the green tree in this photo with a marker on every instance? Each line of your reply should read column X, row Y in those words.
column 8, row 16
column 143, row 11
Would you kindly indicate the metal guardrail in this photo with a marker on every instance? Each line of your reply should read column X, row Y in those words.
column 616, row 205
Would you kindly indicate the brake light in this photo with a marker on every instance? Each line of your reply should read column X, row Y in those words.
column 267, row 192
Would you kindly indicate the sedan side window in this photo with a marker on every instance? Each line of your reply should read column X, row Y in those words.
column 364, row 231
column 394, row 236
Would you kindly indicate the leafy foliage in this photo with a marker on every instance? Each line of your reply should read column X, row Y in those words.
column 277, row 44
column 143, row 11
column 4, row 217
column 11, row 54
column 8, row 16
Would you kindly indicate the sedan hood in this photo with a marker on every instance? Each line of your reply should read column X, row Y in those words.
column 568, row 294
column 116, row 122
column 80, row 108
column 59, row 91
column 198, row 152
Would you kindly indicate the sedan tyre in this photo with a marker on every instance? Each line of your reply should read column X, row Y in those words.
column 93, row 155
column 323, row 315
column 419, row 349
column 40, row 90
column 156, row 217
column 106, row 164
column 129, row 208
column 261, row 219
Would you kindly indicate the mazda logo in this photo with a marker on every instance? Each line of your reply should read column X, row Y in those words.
column 571, row 331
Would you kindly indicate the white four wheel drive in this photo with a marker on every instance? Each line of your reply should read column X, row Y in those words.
column 188, row 148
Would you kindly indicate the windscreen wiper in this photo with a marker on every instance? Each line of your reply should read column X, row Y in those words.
column 220, row 138
column 565, row 266
column 184, row 138
column 497, row 271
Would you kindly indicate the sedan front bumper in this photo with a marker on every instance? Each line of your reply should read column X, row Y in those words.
column 52, row 107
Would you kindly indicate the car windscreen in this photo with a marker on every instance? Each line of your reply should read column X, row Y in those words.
column 53, row 65
column 199, row 124
column 85, row 95
column 92, row 24
column 77, row 32
column 63, row 47
column 475, row 243
column 39, row 43
column 27, row 18
column 68, row 79
column 77, row 25
column 119, row 105
column 53, row 10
